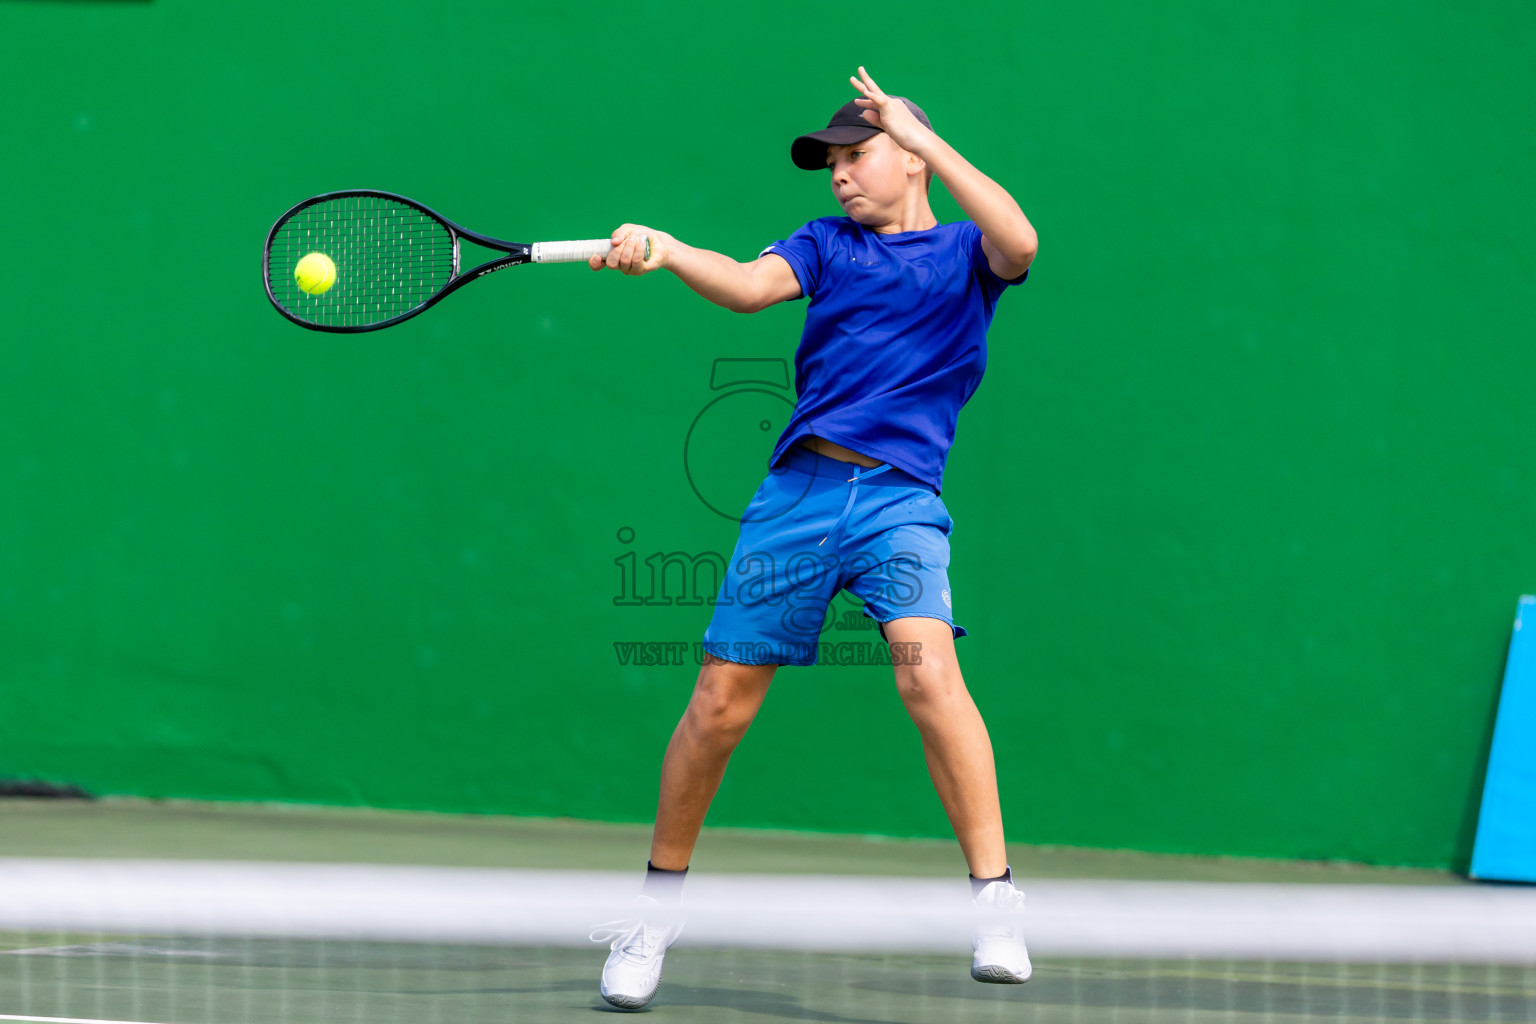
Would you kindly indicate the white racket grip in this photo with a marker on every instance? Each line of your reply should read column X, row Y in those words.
column 577, row 252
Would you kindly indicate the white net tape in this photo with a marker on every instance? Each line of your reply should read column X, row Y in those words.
column 1094, row 918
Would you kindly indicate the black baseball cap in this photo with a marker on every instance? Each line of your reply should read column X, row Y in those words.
column 809, row 152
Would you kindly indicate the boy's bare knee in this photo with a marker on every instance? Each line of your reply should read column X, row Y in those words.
column 931, row 682
column 718, row 720
column 727, row 696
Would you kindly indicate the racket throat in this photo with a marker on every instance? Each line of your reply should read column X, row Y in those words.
column 519, row 254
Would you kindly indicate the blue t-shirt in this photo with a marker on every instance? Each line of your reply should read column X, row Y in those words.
column 895, row 338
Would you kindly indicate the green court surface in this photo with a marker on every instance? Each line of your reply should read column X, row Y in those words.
column 178, row 829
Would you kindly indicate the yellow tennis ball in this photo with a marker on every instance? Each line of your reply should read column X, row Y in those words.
column 315, row 273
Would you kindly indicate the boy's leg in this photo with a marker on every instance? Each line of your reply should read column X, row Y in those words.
column 955, row 740
column 959, row 756
column 725, row 700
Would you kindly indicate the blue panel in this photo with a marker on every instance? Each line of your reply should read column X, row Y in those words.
column 1505, row 848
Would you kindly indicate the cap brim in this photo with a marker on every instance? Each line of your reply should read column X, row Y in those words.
column 809, row 152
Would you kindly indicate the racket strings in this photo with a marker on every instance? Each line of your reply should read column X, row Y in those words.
column 389, row 259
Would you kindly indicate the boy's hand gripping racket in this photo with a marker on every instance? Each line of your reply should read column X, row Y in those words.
column 360, row 260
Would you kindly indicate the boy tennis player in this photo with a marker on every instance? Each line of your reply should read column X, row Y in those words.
column 894, row 345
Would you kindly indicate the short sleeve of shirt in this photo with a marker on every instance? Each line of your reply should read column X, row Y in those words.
column 802, row 252
column 984, row 269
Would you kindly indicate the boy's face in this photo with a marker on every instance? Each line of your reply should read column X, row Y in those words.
column 870, row 178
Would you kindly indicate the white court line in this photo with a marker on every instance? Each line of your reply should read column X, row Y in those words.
column 72, row 1020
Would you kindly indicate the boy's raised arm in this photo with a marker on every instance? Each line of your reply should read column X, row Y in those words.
column 1007, row 236
column 739, row 287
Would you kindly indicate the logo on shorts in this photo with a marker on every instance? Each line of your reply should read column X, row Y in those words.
column 945, row 595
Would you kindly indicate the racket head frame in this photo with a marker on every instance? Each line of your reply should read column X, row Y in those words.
column 517, row 252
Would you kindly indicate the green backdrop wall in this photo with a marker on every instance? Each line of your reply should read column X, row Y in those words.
column 1243, row 504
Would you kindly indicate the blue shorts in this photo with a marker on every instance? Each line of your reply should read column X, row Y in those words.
column 817, row 526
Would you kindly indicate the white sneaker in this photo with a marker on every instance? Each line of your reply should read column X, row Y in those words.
column 998, row 944
column 633, row 970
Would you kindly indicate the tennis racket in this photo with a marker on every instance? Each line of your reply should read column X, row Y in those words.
column 385, row 259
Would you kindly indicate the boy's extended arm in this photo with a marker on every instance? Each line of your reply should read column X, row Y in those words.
column 739, row 287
